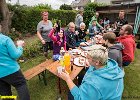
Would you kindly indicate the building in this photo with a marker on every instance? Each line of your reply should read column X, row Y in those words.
column 110, row 2
column 79, row 4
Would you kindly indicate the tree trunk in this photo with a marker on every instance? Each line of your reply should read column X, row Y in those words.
column 6, row 16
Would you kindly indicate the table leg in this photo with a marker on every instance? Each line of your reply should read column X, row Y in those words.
column 44, row 77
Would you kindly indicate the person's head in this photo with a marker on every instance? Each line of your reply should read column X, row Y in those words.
column 126, row 30
column 61, row 33
column 82, row 26
column 71, row 27
column 80, row 12
column 94, row 23
column 98, row 56
column 45, row 15
column 97, row 14
column 109, row 38
column 121, row 14
column 101, row 21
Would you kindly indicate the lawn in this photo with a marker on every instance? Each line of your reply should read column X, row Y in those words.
column 38, row 91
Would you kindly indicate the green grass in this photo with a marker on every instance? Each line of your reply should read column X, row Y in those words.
column 132, row 78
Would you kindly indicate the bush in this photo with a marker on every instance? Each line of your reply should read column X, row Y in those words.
column 32, row 50
column 26, row 20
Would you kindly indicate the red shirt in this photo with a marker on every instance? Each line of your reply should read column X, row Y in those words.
column 129, row 47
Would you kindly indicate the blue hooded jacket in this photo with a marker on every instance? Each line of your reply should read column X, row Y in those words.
column 102, row 84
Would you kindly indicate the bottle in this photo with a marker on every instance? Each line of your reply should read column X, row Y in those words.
column 62, row 51
column 62, row 56
column 67, row 62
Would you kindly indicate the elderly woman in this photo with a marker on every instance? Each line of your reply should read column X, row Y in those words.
column 43, row 29
column 102, row 81
column 10, row 73
column 81, row 33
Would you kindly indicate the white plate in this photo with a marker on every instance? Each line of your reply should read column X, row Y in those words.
column 76, row 62
column 76, row 51
column 84, row 53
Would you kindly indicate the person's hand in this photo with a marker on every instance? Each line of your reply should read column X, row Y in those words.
column 55, row 25
column 20, row 43
column 43, row 41
column 101, row 28
column 64, row 75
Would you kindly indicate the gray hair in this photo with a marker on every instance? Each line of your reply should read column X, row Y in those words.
column 82, row 24
column 99, row 53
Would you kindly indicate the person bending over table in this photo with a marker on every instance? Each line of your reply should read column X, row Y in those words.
column 102, row 81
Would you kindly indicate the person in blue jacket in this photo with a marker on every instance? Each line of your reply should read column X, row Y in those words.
column 10, row 73
column 102, row 81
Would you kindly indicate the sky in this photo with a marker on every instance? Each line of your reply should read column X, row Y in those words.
column 55, row 4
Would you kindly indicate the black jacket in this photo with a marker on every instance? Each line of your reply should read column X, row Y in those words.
column 70, row 39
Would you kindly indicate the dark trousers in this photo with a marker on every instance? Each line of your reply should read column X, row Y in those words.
column 18, row 81
column 47, row 46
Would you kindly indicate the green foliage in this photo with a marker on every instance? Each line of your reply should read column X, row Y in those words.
column 65, row 7
column 26, row 20
column 87, row 17
column 32, row 50
column 93, row 6
column 43, row 6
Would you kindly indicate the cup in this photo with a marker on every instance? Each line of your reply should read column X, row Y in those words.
column 20, row 42
column 60, row 69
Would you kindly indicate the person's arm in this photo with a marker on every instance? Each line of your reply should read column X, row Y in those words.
column 86, row 90
column 98, row 24
column 39, row 34
column 51, row 35
column 93, row 18
column 14, row 52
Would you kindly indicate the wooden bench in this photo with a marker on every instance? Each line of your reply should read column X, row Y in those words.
column 39, row 70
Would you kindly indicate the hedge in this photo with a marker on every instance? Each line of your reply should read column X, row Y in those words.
column 25, row 20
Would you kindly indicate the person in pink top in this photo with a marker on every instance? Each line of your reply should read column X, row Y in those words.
column 59, row 41
column 127, row 39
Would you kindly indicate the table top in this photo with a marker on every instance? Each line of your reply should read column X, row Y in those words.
column 53, row 69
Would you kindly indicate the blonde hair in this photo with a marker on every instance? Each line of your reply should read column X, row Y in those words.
column 99, row 53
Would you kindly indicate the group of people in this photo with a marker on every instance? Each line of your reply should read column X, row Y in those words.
column 106, row 60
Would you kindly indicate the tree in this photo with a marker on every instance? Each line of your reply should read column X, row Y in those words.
column 65, row 7
column 6, row 16
column 93, row 6
column 43, row 6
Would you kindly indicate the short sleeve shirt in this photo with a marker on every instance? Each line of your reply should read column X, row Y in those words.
column 44, row 29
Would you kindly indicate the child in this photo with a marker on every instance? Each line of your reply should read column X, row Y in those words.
column 59, row 41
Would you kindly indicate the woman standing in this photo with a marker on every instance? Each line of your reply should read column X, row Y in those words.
column 10, row 73
column 43, row 29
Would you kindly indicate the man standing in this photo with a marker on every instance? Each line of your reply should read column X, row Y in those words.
column 127, row 39
column 120, row 21
column 95, row 18
column 79, row 19
column 71, row 36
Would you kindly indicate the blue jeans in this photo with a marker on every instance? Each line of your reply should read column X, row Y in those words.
column 56, row 57
column 126, row 63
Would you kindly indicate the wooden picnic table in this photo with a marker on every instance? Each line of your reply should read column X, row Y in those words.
column 53, row 69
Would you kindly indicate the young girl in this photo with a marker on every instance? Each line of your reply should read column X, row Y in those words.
column 59, row 41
